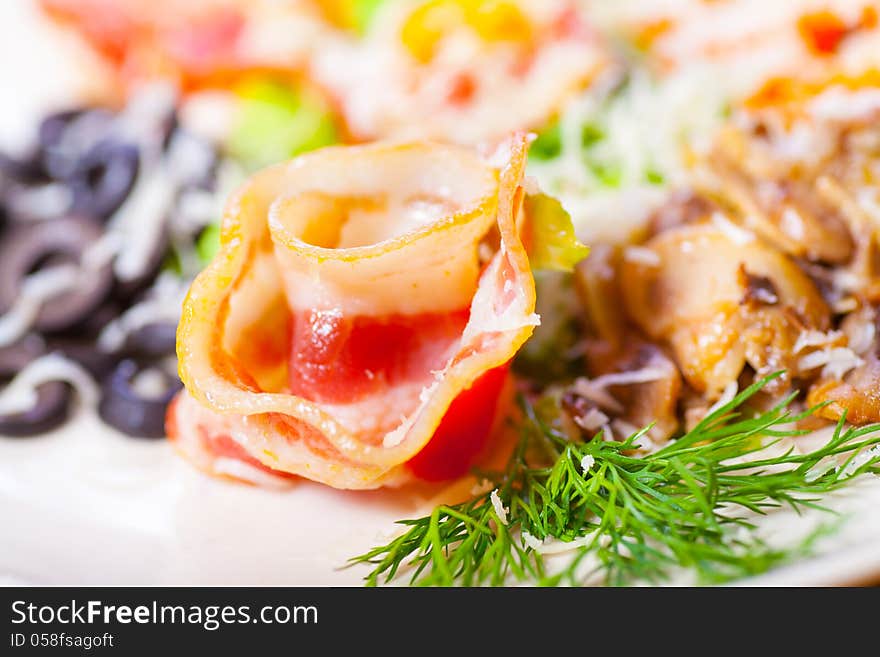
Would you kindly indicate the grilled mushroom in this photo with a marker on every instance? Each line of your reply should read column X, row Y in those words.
column 777, row 203
column 721, row 304
column 853, row 387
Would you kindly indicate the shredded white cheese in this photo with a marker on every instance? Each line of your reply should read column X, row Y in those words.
column 835, row 361
column 531, row 541
column 591, row 420
column 642, row 256
column 792, row 223
column 726, row 397
column 36, row 289
column 587, row 463
column 20, row 395
column 500, row 509
column 861, row 459
column 813, row 338
column 595, row 389
column 734, row 233
column 860, row 335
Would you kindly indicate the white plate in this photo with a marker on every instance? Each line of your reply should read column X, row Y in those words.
column 86, row 505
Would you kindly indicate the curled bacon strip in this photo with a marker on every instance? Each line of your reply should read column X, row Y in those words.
column 347, row 242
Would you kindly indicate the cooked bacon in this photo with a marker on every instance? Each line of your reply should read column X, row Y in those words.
column 347, row 312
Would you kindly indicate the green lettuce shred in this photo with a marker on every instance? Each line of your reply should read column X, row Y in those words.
column 208, row 243
column 276, row 122
column 363, row 13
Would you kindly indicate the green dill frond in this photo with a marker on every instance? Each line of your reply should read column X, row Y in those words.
column 627, row 518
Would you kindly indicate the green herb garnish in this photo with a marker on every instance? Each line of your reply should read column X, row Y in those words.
column 629, row 518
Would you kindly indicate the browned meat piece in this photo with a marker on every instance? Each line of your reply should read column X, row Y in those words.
column 700, row 297
column 858, row 391
column 616, row 352
column 781, row 207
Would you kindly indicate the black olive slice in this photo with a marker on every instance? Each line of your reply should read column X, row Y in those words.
column 65, row 138
column 84, row 352
column 104, row 178
column 91, row 326
column 49, row 412
column 130, row 409
column 154, row 341
column 14, row 357
column 26, row 169
column 52, row 406
column 27, row 249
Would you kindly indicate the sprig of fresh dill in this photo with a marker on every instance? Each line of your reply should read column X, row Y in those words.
column 625, row 517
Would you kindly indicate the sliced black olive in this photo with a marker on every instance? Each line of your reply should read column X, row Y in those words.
column 15, row 357
column 65, row 138
column 52, row 406
column 49, row 412
column 52, row 127
column 103, row 178
column 155, row 340
column 91, row 326
column 128, row 407
column 29, row 248
column 26, row 169
column 83, row 351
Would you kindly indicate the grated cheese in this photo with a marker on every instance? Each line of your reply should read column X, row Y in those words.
column 835, row 361
column 531, row 541
column 20, row 394
column 587, row 463
column 726, row 397
column 734, row 233
column 642, row 256
column 500, row 510
column 813, row 338
column 591, row 420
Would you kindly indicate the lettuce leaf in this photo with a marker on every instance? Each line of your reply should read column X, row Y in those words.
column 276, row 122
column 208, row 243
column 553, row 244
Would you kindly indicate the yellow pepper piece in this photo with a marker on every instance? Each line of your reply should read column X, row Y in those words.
column 492, row 20
column 498, row 20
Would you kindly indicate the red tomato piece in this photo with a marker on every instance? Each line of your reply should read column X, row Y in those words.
column 337, row 359
column 464, row 430
column 822, row 31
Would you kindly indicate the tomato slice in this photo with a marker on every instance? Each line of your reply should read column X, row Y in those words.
column 464, row 430
column 339, row 359
column 822, row 31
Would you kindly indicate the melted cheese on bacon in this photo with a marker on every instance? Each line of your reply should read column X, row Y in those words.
column 381, row 236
